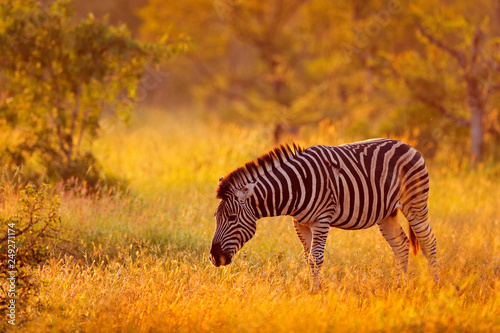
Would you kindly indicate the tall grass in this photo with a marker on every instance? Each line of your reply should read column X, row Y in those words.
column 143, row 255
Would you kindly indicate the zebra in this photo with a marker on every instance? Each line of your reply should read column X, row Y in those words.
column 352, row 186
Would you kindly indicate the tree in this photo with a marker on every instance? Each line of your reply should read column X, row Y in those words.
column 454, row 69
column 479, row 66
column 260, row 58
column 379, row 67
column 285, row 63
column 58, row 78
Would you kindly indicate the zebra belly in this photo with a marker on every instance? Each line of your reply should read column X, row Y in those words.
column 354, row 224
column 355, row 213
column 358, row 222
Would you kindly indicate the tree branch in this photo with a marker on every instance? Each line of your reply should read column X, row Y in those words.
column 448, row 114
column 82, row 129
column 476, row 40
column 58, row 107
column 228, row 93
column 462, row 61
column 74, row 117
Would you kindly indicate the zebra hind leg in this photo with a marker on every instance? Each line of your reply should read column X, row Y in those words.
column 419, row 225
column 396, row 237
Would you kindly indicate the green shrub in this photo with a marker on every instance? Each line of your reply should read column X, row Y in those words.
column 28, row 237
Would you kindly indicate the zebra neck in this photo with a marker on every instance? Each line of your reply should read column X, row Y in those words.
column 272, row 198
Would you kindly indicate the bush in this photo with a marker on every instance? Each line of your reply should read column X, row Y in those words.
column 60, row 77
column 28, row 237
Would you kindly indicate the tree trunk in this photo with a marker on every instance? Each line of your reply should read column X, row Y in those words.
column 476, row 107
column 477, row 134
column 476, row 99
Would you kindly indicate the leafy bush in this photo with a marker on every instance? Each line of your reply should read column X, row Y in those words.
column 28, row 237
column 61, row 76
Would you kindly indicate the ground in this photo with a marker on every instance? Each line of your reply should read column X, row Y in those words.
column 142, row 263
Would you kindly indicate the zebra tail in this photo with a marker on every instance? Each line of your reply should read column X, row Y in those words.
column 414, row 244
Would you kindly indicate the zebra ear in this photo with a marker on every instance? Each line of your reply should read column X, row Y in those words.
column 220, row 180
column 243, row 193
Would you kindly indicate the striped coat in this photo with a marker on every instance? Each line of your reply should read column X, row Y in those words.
column 352, row 186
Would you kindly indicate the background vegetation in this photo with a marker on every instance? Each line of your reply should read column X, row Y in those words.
column 380, row 67
column 142, row 264
column 133, row 127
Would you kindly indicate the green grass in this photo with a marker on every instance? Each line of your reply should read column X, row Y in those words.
column 143, row 255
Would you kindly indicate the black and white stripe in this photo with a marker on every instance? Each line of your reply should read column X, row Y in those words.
column 352, row 186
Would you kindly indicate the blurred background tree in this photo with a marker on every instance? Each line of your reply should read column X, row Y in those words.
column 118, row 12
column 59, row 77
column 452, row 74
column 423, row 70
column 377, row 67
column 264, row 61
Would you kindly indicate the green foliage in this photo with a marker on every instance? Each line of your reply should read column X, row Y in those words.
column 36, row 224
column 60, row 77
column 28, row 237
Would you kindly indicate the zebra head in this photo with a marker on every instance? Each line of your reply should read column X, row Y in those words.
column 235, row 225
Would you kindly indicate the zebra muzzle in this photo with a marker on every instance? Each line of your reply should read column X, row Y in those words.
column 217, row 257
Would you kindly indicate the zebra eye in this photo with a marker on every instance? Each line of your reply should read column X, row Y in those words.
column 232, row 218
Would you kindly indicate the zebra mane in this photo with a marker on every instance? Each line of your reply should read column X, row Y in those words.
column 253, row 169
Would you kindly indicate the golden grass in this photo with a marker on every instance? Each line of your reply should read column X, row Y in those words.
column 145, row 266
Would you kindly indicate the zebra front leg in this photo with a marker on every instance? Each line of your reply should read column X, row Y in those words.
column 305, row 236
column 319, row 235
column 313, row 238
